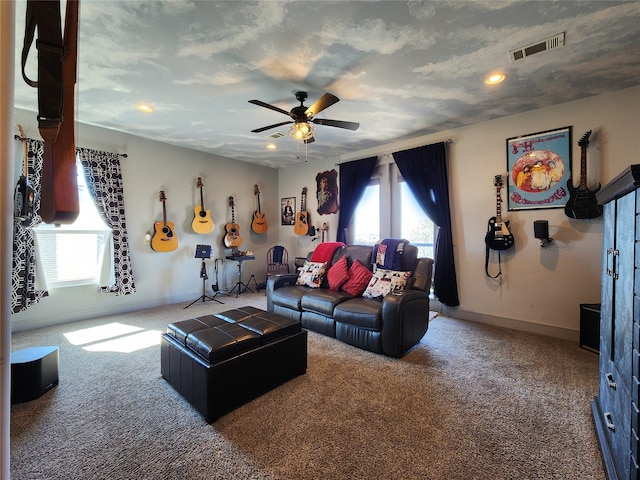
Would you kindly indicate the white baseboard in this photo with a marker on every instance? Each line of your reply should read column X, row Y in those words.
column 538, row 328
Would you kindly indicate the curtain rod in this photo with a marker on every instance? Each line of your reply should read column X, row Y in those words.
column 123, row 155
column 448, row 141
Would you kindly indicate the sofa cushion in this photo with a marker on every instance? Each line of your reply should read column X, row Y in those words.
column 289, row 297
column 359, row 312
column 359, row 277
column 385, row 281
column 323, row 300
column 311, row 274
column 338, row 274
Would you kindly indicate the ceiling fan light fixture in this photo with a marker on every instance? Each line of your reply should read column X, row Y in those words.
column 302, row 131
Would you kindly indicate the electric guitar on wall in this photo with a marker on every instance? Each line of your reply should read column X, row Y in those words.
column 582, row 202
column 259, row 223
column 232, row 237
column 498, row 236
column 164, row 238
column 301, row 227
column 24, row 195
column 202, row 222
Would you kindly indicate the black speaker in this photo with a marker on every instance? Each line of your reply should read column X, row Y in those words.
column 541, row 229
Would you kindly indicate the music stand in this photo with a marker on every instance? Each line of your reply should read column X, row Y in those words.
column 203, row 252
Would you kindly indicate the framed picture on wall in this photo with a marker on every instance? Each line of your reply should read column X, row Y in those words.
column 538, row 167
column 288, row 210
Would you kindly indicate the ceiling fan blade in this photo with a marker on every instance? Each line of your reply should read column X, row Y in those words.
column 336, row 123
column 271, row 107
column 258, row 130
column 310, row 140
column 325, row 101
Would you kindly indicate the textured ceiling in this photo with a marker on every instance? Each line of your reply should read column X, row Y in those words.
column 400, row 69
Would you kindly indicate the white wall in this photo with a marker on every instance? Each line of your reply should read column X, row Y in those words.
column 169, row 277
column 542, row 288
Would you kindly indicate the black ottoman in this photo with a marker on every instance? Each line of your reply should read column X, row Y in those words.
column 219, row 362
column 34, row 371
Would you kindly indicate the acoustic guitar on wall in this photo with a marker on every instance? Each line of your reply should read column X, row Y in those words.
column 259, row 223
column 202, row 222
column 232, row 238
column 164, row 238
column 301, row 227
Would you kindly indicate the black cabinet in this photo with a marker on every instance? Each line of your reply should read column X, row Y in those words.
column 615, row 409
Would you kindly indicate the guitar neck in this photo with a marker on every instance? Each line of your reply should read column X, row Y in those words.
column 583, row 168
column 164, row 213
column 201, row 199
column 498, row 206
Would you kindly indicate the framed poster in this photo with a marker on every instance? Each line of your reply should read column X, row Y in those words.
column 538, row 167
column 327, row 192
column 288, row 210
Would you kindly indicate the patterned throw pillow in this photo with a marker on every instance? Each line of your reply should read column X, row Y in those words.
column 359, row 277
column 311, row 274
column 338, row 274
column 385, row 281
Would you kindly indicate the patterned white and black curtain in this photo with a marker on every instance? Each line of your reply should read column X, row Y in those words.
column 27, row 287
column 104, row 181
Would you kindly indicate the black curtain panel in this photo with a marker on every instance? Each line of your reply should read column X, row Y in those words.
column 425, row 171
column 354, row 177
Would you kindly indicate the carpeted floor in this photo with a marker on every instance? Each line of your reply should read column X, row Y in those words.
column 471, row 401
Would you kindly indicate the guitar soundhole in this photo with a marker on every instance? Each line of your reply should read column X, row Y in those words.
column 167, row 231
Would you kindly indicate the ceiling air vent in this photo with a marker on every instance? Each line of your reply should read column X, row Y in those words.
column 556, row 41
column 277, row 135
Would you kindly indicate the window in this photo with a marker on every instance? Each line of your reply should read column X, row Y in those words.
column 72, row 254
column 388, row 209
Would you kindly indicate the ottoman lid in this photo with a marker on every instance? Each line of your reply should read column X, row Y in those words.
column 221, row 342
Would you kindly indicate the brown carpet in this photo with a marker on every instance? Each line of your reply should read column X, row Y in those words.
column 471, row 401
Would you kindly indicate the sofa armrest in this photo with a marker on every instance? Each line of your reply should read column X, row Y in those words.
column 405, row 320
column 278, row 281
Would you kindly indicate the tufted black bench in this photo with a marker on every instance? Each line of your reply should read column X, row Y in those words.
column 219, row 362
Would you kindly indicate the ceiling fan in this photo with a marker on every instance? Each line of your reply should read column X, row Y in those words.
column 302, row 116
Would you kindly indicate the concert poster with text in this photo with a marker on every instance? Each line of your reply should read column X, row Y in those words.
column 538, row 167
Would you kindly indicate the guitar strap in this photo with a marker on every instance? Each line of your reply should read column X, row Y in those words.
column 45, row 15
column 486, row 266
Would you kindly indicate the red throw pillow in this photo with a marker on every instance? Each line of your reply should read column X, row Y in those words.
column 359, row 277
column 338, row 274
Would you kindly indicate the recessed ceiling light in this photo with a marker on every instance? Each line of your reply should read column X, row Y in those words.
column 495, row 78
column 271, row 146
column 143, row 107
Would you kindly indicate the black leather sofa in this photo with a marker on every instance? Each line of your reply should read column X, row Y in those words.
column 390, row 327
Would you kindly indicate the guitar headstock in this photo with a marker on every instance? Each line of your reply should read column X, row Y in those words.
column 199, row 183
column 22, row 135
column 497, row 181
column 255, row 190
column 162, row 196
column 230, row 201
column 584, row 141
column 304, row 191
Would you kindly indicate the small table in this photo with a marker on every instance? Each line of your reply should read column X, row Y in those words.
column 239, row 286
